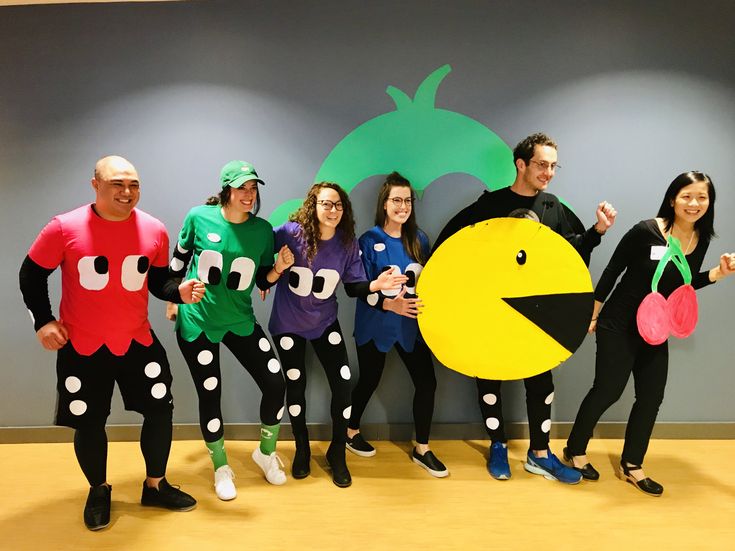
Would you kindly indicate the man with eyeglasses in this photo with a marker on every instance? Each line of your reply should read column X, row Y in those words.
column 110, row 254
column 535, row 159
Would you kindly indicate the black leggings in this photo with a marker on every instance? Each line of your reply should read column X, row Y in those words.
column 539, row 396
column 331, row 351
column 90, row 446
column 420, row 368
column 619, row 355
column 255, row 354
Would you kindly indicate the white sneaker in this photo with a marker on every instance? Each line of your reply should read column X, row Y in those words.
column 272, row 466
column 223, row 485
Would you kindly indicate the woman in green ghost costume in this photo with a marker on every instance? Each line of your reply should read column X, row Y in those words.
column 231, row 249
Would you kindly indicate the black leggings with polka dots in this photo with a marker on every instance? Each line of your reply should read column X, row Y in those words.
column 331, row 351
column 420, row 368
column 539, row 395
column 256, row 355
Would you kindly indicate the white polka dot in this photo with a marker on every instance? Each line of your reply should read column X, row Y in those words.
column 379, row 247
column 294, row 410
column 181, row 249
column 293, row 374
column 546, row 425
column 549, row 399
column 360, row 253
column 345, row 372
column 490, row 399
column 274, row 366
column 279, row 415
column 334, row 337
column 214, row 425
column 177, row 265
column 158, row 391
column 205, row 357
column 73, row 384
column 210, row 383
column 264, row 345
column 77, row 407
column 492, row 423
column 214, row 238
column 153, row 370
column 372, row 299
column 347, row 412
column 286, row 343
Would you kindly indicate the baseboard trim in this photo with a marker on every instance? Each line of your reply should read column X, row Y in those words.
column 374, row 431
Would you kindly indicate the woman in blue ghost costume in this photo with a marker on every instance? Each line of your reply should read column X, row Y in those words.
column 231, row 250
column 395, row 241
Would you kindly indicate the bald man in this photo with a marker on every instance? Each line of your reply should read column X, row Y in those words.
column 111, row 254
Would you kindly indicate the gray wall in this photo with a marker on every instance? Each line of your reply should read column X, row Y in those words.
column 634, row 93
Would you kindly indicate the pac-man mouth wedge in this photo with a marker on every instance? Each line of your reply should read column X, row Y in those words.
column 505, row 299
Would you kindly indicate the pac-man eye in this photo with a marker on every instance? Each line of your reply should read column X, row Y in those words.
column 413, row 271
column 134, row 269
column 396, row 271
column 521, row 257
column 94, row 272
column 210, row 267
column 300, row 280
column 241, row 273
column 325, row 282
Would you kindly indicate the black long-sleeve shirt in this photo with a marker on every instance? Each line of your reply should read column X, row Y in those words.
column 547, row 207
column 633, row 256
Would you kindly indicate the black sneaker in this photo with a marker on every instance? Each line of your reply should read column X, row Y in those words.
column 431, row 463
column 97, row 508
column 167, row 496
column 359, row 446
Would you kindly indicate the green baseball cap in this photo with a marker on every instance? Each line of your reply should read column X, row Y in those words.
column 236, row 173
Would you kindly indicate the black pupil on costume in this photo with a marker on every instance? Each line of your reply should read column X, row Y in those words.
column 143, row 264
column 101, row 265
column 215, row 275
column 521, row 257
column 233, row 280
column 411, row 279
column 293, row 279
column 318, row 284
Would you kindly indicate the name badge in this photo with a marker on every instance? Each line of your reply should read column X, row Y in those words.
column 657, row 252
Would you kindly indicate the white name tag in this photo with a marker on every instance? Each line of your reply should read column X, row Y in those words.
column 657, row 252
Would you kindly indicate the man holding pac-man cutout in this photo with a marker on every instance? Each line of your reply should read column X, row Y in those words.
column 535, row 159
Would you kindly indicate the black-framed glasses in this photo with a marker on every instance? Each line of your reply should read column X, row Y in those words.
column 398, row 201
column 329, row 205
column 545, row 165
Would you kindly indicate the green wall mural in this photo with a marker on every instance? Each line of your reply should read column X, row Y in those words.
column 418, row 140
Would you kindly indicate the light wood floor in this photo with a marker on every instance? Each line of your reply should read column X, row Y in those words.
column 392, row 504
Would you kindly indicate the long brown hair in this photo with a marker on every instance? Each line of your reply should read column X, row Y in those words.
column 409, row 230
column 307, row 218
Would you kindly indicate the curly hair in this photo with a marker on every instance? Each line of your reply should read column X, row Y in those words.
column 306, row 217
column 409, row 230
column 526, row 147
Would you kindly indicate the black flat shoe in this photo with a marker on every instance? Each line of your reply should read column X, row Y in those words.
column 588, row 472
column 648, row 486
column 97, row 508
column 300, row 467
column 337, row 463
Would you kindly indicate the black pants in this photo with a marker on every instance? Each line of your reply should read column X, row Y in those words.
column 619, row 354
column 255, row 354
column 539, row 396
column 420, row 368
column 331, row 351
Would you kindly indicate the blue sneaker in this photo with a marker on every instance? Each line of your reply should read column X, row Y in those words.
column 551, row 468
column 497, row 461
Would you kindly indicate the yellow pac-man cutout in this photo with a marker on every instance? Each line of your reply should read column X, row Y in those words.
column 505, row 299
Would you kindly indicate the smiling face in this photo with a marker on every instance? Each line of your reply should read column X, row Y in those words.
column 243, row 198
column 398, row 205
column 691, row 203
column 327, row 202
column 117, row 188
column 536, row 175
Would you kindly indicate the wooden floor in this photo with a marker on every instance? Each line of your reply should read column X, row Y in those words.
column 391, row 504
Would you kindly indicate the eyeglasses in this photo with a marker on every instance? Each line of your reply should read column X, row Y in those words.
column 398, row 201
column 329, row 205
column 545, row 165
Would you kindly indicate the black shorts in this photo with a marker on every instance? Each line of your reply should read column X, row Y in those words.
column 85, row 383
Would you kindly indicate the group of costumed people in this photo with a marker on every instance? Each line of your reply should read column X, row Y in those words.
column 111, row 254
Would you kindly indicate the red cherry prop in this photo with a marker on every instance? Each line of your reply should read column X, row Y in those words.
column 682, row 311
column 653, row 318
